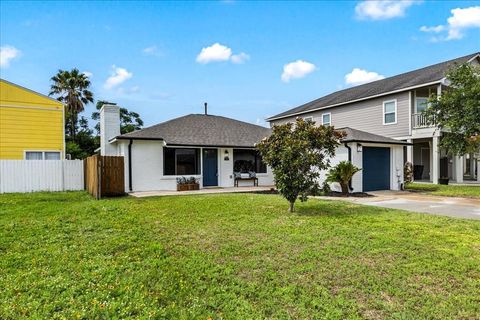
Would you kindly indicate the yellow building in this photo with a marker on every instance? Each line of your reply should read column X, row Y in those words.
column 31, row 124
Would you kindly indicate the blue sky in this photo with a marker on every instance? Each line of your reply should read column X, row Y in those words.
column 268, row 57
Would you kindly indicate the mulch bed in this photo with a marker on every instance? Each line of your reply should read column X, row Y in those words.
column 353, row 194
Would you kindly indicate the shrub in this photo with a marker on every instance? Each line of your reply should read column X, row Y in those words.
column 342, row 173
column 408, row 172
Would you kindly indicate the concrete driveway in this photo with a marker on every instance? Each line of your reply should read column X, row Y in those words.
column 409, row 201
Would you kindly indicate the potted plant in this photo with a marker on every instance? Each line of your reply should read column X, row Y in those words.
column 185, row 184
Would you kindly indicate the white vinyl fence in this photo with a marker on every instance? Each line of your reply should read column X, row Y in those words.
column 40, row 175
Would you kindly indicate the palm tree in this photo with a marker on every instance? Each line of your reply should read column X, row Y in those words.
column 71, row 88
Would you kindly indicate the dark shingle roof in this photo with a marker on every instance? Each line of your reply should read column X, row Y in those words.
column 203, row 130
column 354, row 135
column 417, row 77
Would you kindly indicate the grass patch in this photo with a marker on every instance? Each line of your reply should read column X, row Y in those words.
column 446, row 190
column 232, row 256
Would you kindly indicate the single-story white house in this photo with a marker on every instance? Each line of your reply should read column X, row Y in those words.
column 211, row 148
column 207, row 147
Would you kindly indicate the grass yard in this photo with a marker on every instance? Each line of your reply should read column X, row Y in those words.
column 232, row 256
column 446, row 190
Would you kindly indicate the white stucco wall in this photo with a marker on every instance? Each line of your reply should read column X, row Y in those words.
column 147, row 168
column 225, row 168
column 109, row 128
column 341, row 154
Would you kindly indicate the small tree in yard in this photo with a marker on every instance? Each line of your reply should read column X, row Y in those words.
column 342, row 173
column 296, row 153
column 458, row 109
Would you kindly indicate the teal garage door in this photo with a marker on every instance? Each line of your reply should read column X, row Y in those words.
column 376, row 168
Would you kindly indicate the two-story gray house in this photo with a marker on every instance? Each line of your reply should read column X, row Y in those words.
column 392, row 108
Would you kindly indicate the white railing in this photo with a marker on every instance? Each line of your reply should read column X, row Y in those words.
column 40, row 175
column 419, row 120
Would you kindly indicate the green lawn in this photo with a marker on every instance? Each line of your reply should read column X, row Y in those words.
column 236, row 256
column 446, row 190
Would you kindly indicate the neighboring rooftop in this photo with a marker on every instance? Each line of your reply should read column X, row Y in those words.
column 427, row 75
column 354, row 135
column 203, row 130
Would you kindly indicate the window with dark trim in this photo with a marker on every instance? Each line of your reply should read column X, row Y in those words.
column 245, row 160
column 181, row 161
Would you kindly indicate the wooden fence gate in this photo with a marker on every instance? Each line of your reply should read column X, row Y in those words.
column 104, row 176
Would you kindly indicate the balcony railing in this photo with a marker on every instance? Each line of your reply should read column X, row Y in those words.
column 419, row 120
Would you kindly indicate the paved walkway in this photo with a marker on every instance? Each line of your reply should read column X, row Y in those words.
column 141, row 194
column 404, row 200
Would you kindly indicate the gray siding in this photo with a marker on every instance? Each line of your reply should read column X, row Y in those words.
column 366, row 116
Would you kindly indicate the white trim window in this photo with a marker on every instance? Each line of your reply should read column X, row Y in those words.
column 390, row 112
column 309, row 118
column 42, row 155
column 326, row 119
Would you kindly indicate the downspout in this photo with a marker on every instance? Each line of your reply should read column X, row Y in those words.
column 130, row 165
column 349, row 160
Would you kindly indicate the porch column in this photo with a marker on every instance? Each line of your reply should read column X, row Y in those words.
column 478, row 170
column 435, row 159
column 410, row 153
column 458, row 169
column 472, row 165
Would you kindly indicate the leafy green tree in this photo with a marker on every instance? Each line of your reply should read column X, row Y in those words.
column 86, row 142
column 72, row 89
column 458, row 109
column 342, row 173
column 296, row 152
column 129, row 120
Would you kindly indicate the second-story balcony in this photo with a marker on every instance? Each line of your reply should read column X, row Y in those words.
column 419, row 120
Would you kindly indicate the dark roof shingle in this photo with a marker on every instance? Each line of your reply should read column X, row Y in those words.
column 354, row 135
column 417, row 77
column 203, row 130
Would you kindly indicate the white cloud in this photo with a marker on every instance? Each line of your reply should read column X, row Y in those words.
column 130, row 90
column 297, row 69
column 118, row 76
column 435, row 29
column 152, row 51
column 218, row 52
column 460, row 20
column 214, row 53
column 382, row 9
column 7, row 54
column 361, row 76
column 88, row 74
column 242, row 57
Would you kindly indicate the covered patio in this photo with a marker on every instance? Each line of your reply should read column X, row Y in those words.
column 430, row 165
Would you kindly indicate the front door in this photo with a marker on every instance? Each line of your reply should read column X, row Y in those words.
column 210, row 167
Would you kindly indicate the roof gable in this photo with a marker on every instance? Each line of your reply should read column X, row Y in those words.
column 12, row 94
column 405, row 81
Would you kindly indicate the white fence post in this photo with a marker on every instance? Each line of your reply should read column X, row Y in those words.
column 40, row 175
